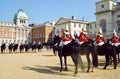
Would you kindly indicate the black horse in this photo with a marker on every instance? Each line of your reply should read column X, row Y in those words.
column 107, row 50
column 39, row 46
column 15, row 47
column 87, row 48
column 22, row 46
column 3, row 47
column 71, row 49
column 27, row 47
column 55, row 44
column 117, row 50
column 55, row 49
column 10, row 47
column 34, row 47
column 74, row 50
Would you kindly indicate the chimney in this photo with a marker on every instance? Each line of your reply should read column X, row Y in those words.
column 73, row 18
column 83, row 19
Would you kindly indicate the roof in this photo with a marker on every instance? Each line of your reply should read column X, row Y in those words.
column 20, row 14
column 64, row 20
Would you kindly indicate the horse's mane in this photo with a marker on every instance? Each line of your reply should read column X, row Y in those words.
column 70, row 48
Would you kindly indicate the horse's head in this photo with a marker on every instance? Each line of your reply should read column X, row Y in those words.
column 108, row 44
column 91, row 42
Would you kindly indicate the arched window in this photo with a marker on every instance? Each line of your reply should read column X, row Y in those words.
column 103, row 25
column 118, row 25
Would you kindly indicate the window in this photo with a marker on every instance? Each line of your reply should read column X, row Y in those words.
column 79, row 25
column 2, row 34
column 118, row 27
column 74, row 24
column 118, row 16
column 102, row 6
column 103, row 25
column 6, row 34
column 90, row 27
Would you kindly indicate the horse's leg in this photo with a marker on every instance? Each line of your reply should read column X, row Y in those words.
column 114, row 57
column 88, row 60
column 20, row 50
column 38, row 49
column 9, row 50
column 114, row 60
column 25, row 49
column 75, row 60
column 4, row 50
column 1, row 50
column 60, row 57
column 118, row 57
column 54, row 51
column 107, row 61
column 65, row 61
column 14, row 50
column 110, row 60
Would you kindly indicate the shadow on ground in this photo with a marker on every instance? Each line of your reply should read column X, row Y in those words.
column 49, row 70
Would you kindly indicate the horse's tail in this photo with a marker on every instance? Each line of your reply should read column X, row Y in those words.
column 81, row 64
column 94, row 58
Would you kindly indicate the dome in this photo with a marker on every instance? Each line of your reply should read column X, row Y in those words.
column 20, row 14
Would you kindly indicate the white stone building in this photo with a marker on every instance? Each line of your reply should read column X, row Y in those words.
column 71, row 24
column 107, row 17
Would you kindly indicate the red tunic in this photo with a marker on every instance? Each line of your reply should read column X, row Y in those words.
column 63, row 37
column 114, row 39
column 100, row 38
column 83, row 38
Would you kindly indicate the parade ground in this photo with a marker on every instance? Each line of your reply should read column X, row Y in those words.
column 45, row 65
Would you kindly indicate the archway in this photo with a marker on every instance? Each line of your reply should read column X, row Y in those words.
column 103, row 25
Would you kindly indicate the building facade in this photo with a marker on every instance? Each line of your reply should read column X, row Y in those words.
column 17, row 31
column 107, row 17
column 42, row 33
column 92, row 29
column 72, row 24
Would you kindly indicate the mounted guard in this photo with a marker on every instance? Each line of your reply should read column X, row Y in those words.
column 115, row 39
column 66, row 38
column 83, row 37
column 100, row 39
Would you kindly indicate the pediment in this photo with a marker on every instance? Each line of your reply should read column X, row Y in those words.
column 62, row 21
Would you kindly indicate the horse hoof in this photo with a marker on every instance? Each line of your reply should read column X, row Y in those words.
column 114, row 67
column 104, row 68
column 66, row 70
column 76, row 72
column 75, row 75
column 87, row 71
column 92, row 71
column 60, row 70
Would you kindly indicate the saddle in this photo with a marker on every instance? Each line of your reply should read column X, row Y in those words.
column 100, row 50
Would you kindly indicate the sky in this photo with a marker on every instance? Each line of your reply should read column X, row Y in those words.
column 40, row 11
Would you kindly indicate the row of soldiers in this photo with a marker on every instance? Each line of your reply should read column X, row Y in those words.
column 14, row 46
column 83, row 37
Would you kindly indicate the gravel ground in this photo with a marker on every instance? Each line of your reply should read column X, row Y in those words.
column 46, row 66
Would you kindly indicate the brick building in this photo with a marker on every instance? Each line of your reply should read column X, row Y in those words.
column 17, row 31
column 42, row 33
